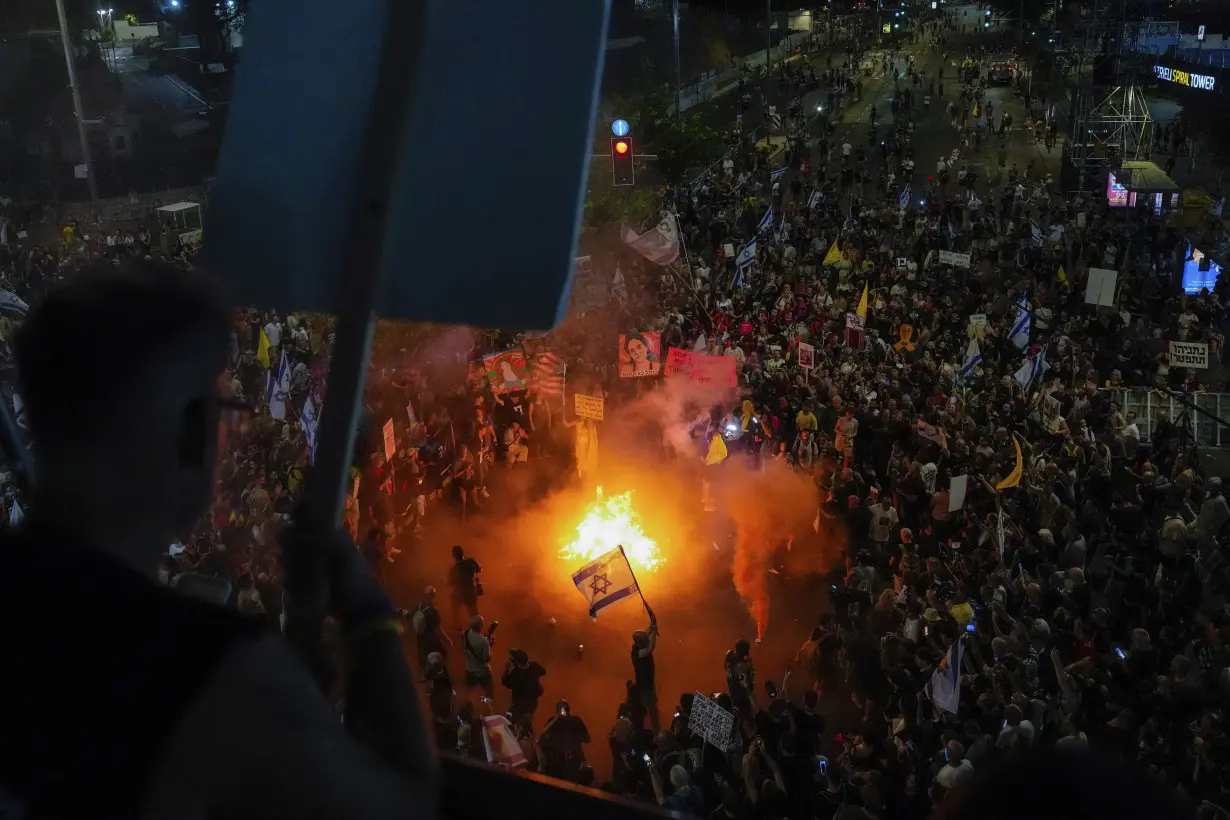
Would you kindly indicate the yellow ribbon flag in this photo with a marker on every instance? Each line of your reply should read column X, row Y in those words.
column 1062, row 276
column 586, row 448
column 834, row 255
column 747, row 410
column 861, row 310
column 262, row 350
column 717, row 451
column 1014, row 477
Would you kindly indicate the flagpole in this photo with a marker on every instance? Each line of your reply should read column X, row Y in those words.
column 632, row 572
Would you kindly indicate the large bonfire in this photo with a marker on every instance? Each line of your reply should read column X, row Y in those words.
column 611, row 523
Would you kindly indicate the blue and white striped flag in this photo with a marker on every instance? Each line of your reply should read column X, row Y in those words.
column 277, row 389
column 1022, row 327
column 945, row 686
column 1037, row 234
column 1035, row 368
column 605, row 581
column 766, row 221
column 904, row 199
column 745, row 258
column 774, row 176
column 815, row 199
column 973, row 357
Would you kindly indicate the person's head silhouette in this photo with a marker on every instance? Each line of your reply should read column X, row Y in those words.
column 119, row 376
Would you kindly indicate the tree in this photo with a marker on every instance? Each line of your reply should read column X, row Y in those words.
column 681, row 144
column 607, row 206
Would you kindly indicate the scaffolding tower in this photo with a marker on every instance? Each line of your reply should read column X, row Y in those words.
column 1109, row 118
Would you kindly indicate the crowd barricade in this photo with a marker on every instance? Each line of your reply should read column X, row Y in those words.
column 1147, row 403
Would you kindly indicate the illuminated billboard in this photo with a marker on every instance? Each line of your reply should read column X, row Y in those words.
column 1202, row 82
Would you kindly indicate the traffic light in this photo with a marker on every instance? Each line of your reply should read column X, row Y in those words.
column 623, row 172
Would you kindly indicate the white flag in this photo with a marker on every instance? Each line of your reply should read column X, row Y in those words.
column 660, row 245
column 945, row 686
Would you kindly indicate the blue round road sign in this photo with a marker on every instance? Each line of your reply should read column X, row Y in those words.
column 620, row 128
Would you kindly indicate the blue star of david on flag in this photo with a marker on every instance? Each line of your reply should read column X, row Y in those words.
column 606, row 580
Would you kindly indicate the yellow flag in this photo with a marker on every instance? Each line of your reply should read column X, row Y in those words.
column 1062, row 276
column 717, row 451
column 834, row 255
column 1014, row 477
column 262, row 350
column 861, row 310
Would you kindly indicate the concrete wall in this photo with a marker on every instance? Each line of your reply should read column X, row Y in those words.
column 125, row 32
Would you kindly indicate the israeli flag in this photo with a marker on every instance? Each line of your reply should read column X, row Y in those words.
column 774, row 176
column 945, row 686
column 973, row 357
column 10, row 301
column 766, row 221
column 745, row 258
column 277, row 389
column 1022, row 327
column 1035, row 367
column 904, row 199
column 605, row 581
column 815, row 199
column 16, row 516
column 1037, row 234
column 309, row 420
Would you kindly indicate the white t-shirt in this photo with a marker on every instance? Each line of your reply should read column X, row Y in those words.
column 882, row 523
column 846, row 148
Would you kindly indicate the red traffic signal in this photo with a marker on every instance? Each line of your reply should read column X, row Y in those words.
column 623, row 171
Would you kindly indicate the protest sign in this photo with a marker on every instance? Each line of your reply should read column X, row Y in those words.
column 711, row 722
column 507, row 371
column 1189, row 354
column 679, row 362
column 717, row 370
column 960, row 260
column 807, row 356
column 589, row 407
column 640, row 354
column 390, row 440
column 1100, row 289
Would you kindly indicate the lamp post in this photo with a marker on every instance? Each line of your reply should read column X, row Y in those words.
column 67, row 43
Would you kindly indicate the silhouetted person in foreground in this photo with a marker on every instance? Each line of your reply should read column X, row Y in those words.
column 119, row 697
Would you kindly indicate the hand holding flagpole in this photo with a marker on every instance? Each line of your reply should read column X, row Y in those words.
column 653, row 619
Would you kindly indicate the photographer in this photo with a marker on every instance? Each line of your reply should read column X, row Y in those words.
column 477, row 649
column 562, row 741
column 522, row 678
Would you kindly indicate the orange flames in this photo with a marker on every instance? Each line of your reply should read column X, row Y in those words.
column 611, row 523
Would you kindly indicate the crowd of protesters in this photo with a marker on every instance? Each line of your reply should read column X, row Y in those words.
column 994, row 495
column 1083, row 579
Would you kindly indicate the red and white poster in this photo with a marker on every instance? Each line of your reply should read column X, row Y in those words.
column 640, row 354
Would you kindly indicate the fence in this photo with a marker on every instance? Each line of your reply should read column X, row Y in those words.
column 1147, row 403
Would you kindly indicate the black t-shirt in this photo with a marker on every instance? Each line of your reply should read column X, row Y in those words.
column 463, row 574
column 85, row 744
column 643, row 668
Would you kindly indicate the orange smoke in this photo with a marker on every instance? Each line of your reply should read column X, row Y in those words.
column 771, row 507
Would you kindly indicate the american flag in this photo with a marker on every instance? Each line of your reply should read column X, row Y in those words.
column 547, row 374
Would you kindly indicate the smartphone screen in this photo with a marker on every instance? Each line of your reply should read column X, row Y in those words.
column 1122, row 655
column 971, row 627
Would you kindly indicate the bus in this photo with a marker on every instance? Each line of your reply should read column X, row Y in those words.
column 1003, row 70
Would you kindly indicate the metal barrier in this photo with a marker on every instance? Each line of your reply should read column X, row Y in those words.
column 1147, row 403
